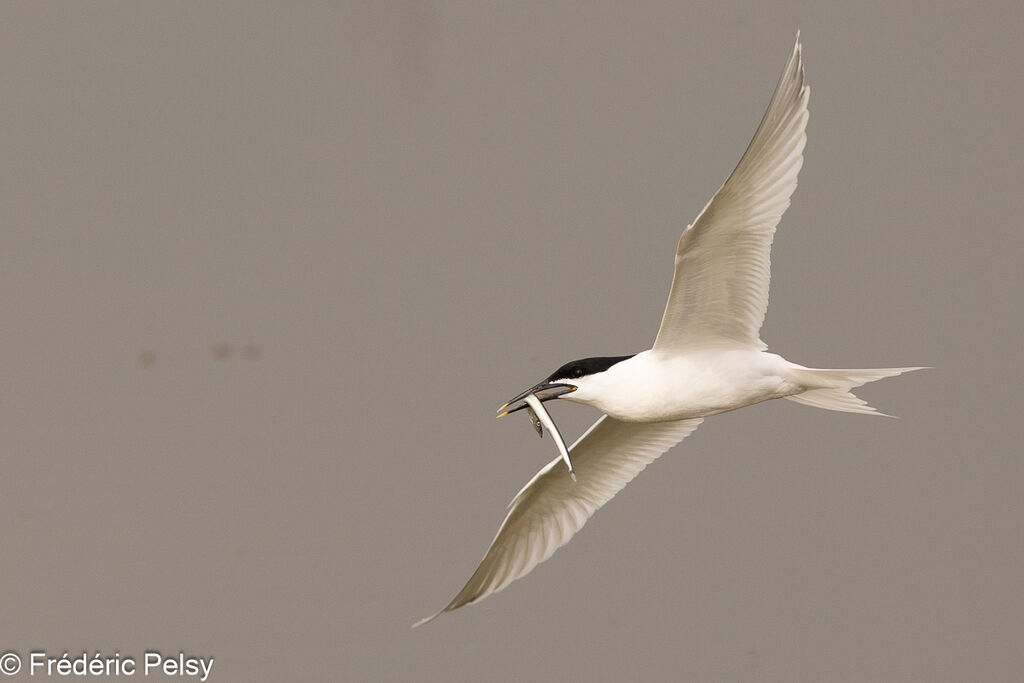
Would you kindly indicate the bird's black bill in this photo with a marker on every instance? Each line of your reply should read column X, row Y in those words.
column 543, row 391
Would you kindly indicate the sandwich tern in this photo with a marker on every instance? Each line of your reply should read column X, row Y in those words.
column 707, row 358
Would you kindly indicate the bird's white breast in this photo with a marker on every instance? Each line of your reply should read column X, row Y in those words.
column 653, row 388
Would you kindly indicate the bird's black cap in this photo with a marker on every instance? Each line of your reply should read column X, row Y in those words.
column 586, row 366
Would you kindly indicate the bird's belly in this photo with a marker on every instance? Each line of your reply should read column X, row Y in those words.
column 700, row 387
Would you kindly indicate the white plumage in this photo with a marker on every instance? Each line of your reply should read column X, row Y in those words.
column 707, row 358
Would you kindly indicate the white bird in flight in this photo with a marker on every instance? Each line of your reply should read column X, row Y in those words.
column 708, row 357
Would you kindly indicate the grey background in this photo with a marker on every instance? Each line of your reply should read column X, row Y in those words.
column 266, row 271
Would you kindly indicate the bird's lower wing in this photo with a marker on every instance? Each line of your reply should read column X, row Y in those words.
column 551, row 508
column 720, row 288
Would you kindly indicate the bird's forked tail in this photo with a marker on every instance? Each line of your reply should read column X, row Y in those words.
column 830, row 389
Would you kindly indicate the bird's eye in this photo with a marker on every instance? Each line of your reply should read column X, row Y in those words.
column 576, row 372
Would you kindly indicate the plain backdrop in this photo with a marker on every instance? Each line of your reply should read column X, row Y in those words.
column 267, row 270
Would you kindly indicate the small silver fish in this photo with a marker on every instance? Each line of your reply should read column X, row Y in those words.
column 535, row 421
column 542, row 415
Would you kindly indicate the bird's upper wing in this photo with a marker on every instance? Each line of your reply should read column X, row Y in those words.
column 550, row 509
column 720, row 288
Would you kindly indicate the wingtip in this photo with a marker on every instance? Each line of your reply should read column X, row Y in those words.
column 426, row 620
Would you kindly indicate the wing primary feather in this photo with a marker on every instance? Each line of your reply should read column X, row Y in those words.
column 551, row 509
column 719, row 291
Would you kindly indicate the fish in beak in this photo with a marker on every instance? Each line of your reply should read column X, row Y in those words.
column 545, row 391
column 532, row 399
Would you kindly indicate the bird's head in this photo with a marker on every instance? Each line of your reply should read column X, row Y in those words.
column 571, row 381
